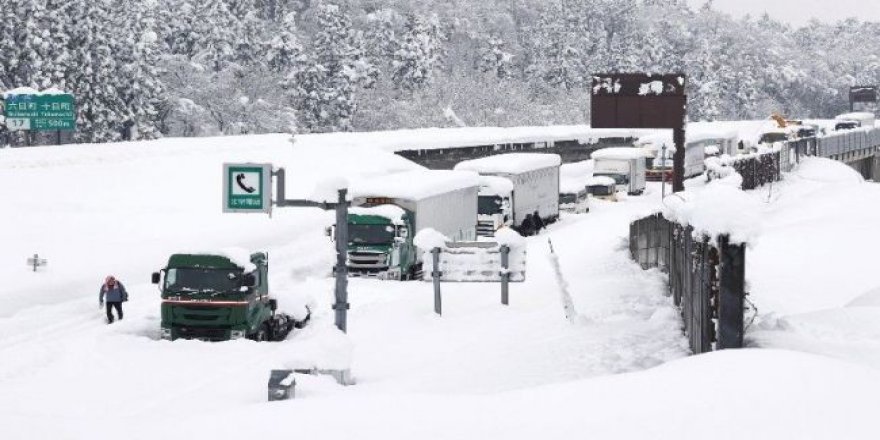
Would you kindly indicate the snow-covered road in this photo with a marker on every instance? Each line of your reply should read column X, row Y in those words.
column 481, row 370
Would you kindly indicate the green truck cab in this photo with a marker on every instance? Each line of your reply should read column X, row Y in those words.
column 214, row 298
column 380, row 243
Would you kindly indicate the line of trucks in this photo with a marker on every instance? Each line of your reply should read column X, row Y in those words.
column 475, row 199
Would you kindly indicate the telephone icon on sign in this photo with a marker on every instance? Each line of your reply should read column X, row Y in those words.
column 239, row 179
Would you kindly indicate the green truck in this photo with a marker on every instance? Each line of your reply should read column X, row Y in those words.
column 215, row 297
column 388, row 211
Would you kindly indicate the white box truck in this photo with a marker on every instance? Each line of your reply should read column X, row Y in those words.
column 573, row 195
column 388, row 211
column 626, row 165
column 535, row 181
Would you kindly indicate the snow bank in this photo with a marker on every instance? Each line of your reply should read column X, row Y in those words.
column 391, row 212
column 571, row 185
column 327, row 190
column 718, row 208
column 428, row 239
column 415, row 185
column 827, row 170
column 618, row 153
column 495, row 185
column 512, row 163
column 510, row 238
column 869, row 299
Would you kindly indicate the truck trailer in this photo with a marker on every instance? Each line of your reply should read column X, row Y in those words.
column 535, row 181
column 388, row 211
column 219, row 297
column 626, row 165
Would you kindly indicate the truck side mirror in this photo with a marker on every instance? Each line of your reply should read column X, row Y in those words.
column 155, row 278
column 248, row 280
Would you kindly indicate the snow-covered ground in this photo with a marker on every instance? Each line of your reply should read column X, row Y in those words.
column 480, row 371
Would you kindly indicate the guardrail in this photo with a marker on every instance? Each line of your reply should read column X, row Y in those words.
column 706, row 279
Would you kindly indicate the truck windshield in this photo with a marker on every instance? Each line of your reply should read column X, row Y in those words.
column 620, row 179
column 370, row 234
column 489, row 205
column 601, row 190
column 769, row 138
column 568, row 198
column 193, row 280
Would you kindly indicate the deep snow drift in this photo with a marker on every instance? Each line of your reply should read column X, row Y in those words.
column 480, row 371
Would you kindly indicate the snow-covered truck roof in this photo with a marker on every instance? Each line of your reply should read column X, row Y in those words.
column 577, row 169
column 618, row 153
column 600, row 181
column 495, row 185
column 393, row 213
column 855, row 116
column 415, row 185
column 513, row 163
column 657, row 140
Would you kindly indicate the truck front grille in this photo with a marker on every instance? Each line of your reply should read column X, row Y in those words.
column 485, row 229
column 206, row 333
column 367, row 261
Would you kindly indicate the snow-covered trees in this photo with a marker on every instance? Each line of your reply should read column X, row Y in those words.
column 140, row 69
column 323, row 89
column 419, row 54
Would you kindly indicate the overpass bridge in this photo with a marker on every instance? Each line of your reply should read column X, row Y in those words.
column 860, row 149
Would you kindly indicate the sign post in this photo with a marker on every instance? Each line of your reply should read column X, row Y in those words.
column 36, row 262
column 45, row 111
column 864, row 95
column 639, row 100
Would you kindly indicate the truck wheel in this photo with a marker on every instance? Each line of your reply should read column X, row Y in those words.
column 262, row 335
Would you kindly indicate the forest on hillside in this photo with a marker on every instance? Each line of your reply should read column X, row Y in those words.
column 149, row 68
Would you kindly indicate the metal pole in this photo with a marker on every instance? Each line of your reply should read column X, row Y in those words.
column 732, row 294
column 663, row 173
column 505, row 274
column 435, row 276
column 678, row 159
column 341, row 270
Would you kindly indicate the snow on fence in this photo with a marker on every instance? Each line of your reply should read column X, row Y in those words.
column 756, row 169
column 706, row 278
column 501, row 261
column 478, row 261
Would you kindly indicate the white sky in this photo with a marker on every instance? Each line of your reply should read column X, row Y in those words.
column 798, row 12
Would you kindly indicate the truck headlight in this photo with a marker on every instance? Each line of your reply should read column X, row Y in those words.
column 236, row 334
column 165, row 333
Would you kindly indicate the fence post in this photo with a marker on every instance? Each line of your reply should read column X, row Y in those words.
column 435, row 276
column 732, row 294
column 505, row 274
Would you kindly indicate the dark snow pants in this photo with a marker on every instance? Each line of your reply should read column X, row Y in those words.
column 110, row 306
